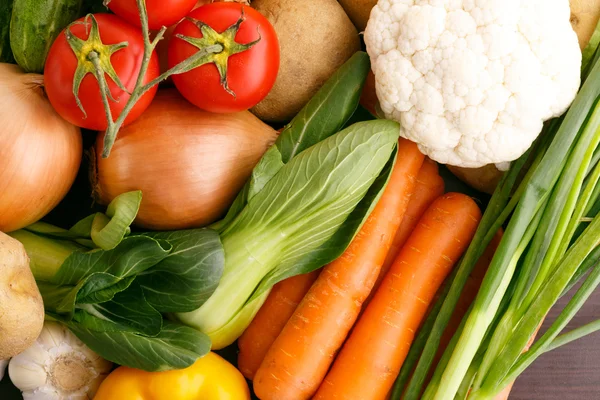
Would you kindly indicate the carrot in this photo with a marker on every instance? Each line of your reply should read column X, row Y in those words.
column 270, row 320
column 373, row 354
column 429, row 187
column 467, row 296
column 299, row 359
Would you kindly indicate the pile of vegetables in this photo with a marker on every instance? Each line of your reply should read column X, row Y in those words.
column 260, row 184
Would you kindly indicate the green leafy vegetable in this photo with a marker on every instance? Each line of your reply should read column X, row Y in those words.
column 189, row 275
column 175, row 347
column 113, row 298
column 108, row 230
column 339, row 241
column 133, row 256
column 126, row 309
column 328, row 111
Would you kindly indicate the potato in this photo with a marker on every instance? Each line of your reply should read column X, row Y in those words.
column 483, row 179
column 21, row 305
column 315, row 37
column 359, row 11
column 584, row 17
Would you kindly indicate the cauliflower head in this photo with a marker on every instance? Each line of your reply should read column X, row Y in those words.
column 472, row 81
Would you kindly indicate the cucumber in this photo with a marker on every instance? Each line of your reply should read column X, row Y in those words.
column 5, row 14
column 34, row 26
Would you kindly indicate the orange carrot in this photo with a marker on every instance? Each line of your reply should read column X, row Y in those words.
column 467, row 296
column 429, row 187
column 373, row 354
column 301, row 355
column 270, row 320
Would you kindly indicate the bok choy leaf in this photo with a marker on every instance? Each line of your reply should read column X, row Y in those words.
column 325, row 114
column 110, row 287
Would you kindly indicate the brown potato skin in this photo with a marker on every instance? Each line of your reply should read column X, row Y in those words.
column 315, row 37
column 584, row 17
column 21, row 305
column 358, row 11
column 483, row 179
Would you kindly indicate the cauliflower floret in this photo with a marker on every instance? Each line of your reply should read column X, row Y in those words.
column 472, row 81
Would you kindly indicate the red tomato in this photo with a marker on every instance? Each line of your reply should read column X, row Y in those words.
column 62, row 63
column 160, row 12
column 250, row 73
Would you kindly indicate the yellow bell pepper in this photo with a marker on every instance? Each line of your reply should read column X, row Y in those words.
column 210, row 378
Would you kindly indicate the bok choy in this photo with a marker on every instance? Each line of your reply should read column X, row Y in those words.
column 110, row 287
column 291, row 225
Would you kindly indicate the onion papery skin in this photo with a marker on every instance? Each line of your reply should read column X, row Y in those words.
column 40, row 152
column 189, row 164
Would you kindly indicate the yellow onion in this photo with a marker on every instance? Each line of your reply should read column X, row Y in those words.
column 40, row 152
column 189, row 164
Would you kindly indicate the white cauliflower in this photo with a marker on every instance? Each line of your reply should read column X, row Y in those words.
column 471, row 81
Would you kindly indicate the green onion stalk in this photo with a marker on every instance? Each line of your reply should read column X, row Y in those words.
column 549, row 202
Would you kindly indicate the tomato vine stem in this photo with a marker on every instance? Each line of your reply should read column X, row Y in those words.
column 93, row 57
column 149, row 45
